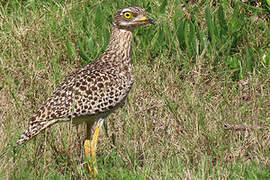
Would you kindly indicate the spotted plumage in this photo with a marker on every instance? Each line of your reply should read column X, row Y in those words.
column 95, row 90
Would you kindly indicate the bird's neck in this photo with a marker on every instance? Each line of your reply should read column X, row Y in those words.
column 120, row 45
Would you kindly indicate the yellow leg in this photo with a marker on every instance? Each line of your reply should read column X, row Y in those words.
column 90, row 148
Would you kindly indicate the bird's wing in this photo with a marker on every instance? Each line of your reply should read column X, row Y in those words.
column 84, row 93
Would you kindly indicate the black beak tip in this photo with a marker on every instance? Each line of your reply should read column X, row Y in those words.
column 152, row 21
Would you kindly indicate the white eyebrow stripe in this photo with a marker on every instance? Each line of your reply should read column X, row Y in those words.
column 125, row 10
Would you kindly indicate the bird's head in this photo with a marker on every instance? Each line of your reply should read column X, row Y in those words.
column 130, row 17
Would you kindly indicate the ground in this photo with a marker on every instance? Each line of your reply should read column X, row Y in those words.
column 199, row 109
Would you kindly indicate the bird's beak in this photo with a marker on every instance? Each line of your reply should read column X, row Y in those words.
column 145, row 20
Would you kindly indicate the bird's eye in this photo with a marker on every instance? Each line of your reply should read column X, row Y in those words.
column 127, row 14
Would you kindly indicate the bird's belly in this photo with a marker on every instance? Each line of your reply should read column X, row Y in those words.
column 89, row 119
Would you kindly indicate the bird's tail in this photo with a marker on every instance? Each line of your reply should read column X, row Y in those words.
column 34, row 128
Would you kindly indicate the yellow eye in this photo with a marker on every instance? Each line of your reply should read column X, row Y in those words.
column 127, row 14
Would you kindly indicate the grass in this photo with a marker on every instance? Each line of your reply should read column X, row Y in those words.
column 204, row 67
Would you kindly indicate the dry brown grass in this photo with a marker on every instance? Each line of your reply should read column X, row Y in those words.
column 172, row 126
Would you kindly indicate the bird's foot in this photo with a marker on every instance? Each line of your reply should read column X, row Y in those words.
column 90, row 157
column 90, row 148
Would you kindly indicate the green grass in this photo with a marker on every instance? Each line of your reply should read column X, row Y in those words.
column 204, row 65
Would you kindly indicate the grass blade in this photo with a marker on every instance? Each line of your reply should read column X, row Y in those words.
column 163, row 6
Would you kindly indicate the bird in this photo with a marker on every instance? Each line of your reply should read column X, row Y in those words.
column 92, row 92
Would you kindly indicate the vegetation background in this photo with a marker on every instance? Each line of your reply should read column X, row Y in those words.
column 199, row 109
